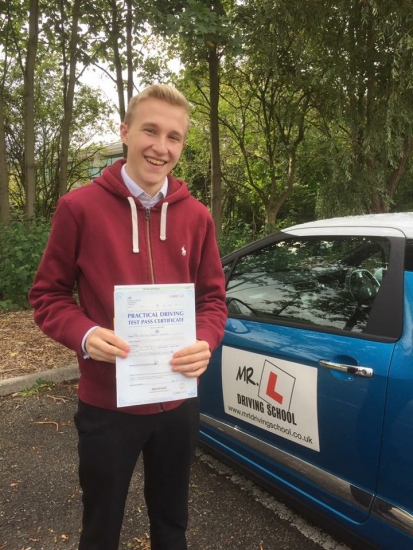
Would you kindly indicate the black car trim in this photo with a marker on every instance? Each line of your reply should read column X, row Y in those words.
column 355, row 496
column 323, row 329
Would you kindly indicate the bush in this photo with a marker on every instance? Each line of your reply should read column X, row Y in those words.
column 21, row 247
column 234, row 237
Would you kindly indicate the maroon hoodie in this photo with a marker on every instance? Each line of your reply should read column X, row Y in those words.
column 102, row 237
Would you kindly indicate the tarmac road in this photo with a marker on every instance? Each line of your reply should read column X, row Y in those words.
column 40, row 503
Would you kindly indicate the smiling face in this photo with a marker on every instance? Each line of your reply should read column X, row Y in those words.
column 155, row 138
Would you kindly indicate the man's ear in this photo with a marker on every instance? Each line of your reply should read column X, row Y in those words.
column 124, row 133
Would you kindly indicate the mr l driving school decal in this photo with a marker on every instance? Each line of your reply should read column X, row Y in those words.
column 278, row 396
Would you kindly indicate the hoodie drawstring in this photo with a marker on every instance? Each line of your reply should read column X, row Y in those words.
column 134, row 215
column 135, row 234
column 162, row 231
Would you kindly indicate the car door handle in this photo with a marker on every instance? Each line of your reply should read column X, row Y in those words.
column 366, row 372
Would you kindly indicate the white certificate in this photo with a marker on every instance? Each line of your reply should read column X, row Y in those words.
column 155, row 321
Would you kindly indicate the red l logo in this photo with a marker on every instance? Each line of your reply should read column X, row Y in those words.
column 272, row 381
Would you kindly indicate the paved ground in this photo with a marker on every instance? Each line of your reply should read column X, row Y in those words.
column 40, row 501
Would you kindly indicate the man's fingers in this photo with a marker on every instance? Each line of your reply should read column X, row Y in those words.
column 103, row 345
column 192, row 371
column 193, row 360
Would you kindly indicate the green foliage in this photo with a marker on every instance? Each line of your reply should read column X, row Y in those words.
column 365, row 55
column 315, row 101
column 195, row 26
column 403, row 198
column 21, row 247
column 91, row 116
column 235, row 237
column 40, row 386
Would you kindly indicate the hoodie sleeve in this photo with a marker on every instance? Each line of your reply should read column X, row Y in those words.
column 211, row 309
column 56, row 310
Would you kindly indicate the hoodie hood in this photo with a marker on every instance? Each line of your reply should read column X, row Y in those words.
column 111, row 180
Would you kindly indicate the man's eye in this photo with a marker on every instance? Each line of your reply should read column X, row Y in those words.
column 149, row 130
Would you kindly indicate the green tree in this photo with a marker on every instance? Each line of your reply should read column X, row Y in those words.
column 366, row 51
column 268, row 92
column 118, row 36
column 70, row 56
column 4, row 188
column 43, row 51
column 19, row 26
column 28, row 69
column 4, row 44
column 91, row 114
column 201, row 33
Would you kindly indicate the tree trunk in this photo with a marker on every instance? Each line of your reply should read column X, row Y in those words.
column 213, row 64
column 68, row 98
column 4, row 180
column 129, row 51
column 381, row 204
column 116, row 32
column 29, row 136
column 397, row 174
column 272, row 208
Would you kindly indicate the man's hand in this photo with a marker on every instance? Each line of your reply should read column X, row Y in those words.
column 102, row 345
column 193, row 360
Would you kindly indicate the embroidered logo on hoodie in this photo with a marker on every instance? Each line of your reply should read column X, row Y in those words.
column 183, row 251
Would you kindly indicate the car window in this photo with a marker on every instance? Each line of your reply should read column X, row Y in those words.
column 329, row 282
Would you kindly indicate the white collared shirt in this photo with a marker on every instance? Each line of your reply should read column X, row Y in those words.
column 142, row 195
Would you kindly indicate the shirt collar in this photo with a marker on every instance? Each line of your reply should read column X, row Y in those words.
column 137, row 191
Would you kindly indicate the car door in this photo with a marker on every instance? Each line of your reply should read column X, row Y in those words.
column 296, row 393
column 394, row 502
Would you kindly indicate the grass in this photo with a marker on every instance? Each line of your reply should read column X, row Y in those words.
column 40, row 386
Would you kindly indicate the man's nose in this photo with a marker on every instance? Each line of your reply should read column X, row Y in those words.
column 160, row 145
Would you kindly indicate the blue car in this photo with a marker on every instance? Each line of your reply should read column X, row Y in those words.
column 311, row 391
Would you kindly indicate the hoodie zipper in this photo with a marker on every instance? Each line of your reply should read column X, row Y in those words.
column 148, row 233
column 148, row 236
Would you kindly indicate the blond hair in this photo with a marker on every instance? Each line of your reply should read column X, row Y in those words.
column 163, row 92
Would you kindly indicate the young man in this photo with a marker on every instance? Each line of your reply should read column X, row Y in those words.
column 136, row 224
